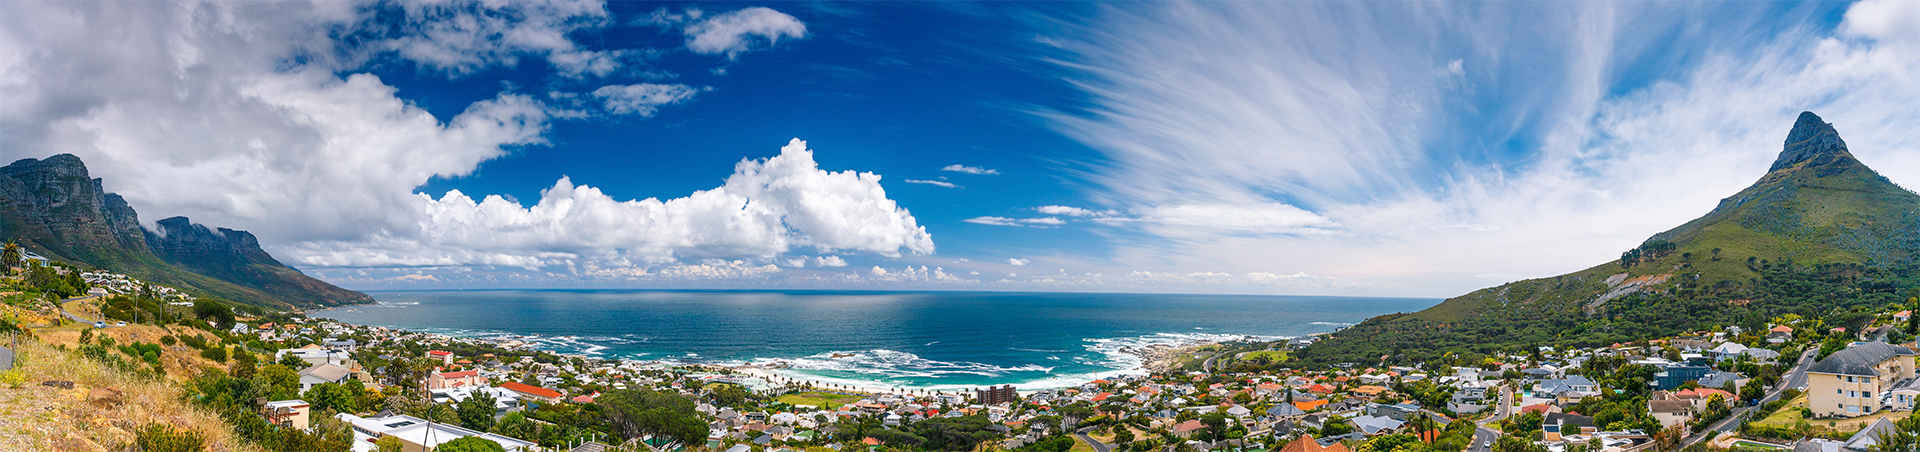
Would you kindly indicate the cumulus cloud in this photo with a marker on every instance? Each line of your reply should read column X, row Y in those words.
column 1017, row 262
column 937, row 183
column 738, row 31
column 254, row 116
column 830, row 261
column 766, row 208
column 643, row 98
column 969, row 169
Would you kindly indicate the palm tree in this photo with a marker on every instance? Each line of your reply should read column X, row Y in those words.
column 9, row 257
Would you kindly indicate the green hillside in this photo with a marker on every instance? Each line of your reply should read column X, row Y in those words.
column 1819, row 235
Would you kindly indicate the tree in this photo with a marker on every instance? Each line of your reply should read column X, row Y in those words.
column 728, row 394
column 1754, row 390
column 470, row 444
column 217, row 354
column 220, row 314
column 388, row 444
column 1512, row 443
column 634, row 413
column 476, row 412
column 1216, row 425
column 1122, row 435
column 341, row 397
column 280, row 381
column 514, row 425
column 9, row 257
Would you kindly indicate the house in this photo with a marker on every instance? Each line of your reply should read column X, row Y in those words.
column 444, row 380
column 1671, row 412
column 1286, row 411
column 1186, row 429
column 1869, row 437
column 1369, row 390
column 1468, row 400
column 530, row 392
column 418, row 435
column 324, row 373
column 1377, row 425
column 1722, row 379
column 1574, row 387
column 1556, row 427
column 1849, row 382
column 287, row 413
column 1779, row 334
column 444, row 357
column 1306, row 443
column 1677, row 375
column 504, row 401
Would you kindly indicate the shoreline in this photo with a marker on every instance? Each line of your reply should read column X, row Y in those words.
column 1143, row 360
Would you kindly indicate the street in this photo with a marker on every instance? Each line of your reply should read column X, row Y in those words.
column 1796, row 378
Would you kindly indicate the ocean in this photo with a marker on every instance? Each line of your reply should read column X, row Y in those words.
column 928, row 340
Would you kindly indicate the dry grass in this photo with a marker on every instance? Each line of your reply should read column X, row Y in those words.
column 37, row 417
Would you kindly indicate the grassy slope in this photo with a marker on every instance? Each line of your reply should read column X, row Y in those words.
column 1814, row 212
column 38, row 417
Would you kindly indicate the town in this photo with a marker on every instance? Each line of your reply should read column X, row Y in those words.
column 291, row 382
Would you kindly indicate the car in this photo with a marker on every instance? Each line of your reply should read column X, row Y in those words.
column 121, row 324
column 99, row 324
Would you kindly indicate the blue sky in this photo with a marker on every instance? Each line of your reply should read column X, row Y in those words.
column 1361, row 148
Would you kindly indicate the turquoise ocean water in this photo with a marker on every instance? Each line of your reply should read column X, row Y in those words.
column 908, row 339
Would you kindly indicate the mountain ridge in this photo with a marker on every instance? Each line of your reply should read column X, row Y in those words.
column 53, row 207
column 1818, row 216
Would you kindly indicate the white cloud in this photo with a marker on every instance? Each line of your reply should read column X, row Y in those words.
column 461, row 37
column 739, row 31
column 644, row 98
column 1004, row 221
column 1070, row 211
column 830, row 261
column 969, row 169
column 1017, row 262
column 249, row 115
column 766, row 208
column 931, row 182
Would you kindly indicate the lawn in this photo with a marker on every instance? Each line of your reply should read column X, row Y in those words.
column 1789, row 415
column 818, row 399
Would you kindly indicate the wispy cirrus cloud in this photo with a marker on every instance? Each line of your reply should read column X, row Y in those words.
column 958, row 168
column 1235, row 132
column 936, row 183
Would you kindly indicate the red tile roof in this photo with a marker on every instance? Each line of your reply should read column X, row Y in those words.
column 530, row 389
column 460, row 374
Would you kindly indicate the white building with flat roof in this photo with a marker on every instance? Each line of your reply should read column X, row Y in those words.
column 418, row 435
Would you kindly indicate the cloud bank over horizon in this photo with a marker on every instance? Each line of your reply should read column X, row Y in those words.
column 1369, row 148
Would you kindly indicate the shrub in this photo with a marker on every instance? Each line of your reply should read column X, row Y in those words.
column 470, row 444
column 217, row 354
column 154, row 437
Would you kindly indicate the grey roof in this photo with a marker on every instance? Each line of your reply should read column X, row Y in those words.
column 328, row 372
column 1868, row 437
column 1719, row 379
column 1859, row 359
column 1285, row 409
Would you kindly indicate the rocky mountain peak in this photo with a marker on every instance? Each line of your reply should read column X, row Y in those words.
column 1812, row 140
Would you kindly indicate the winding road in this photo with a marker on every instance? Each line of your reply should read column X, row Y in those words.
column 1097, row 445
column 1796, row 378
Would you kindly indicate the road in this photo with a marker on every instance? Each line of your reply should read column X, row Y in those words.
column 1097, row 445
column 1796, row 378
column 76, row 317
column 1484, row 435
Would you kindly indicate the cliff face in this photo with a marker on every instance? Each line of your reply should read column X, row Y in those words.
column 54, row 208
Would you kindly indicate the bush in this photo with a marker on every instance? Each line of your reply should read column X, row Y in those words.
column 217, row 354
column 154, row 437
column 470, row 444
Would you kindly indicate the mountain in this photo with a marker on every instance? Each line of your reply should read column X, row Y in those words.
column 1819, row 235
column 54, row 208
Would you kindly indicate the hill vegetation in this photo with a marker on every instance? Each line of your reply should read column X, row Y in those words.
column 1820, row 236
column 54, row 209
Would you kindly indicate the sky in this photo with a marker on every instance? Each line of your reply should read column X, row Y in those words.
column 1419, row 149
